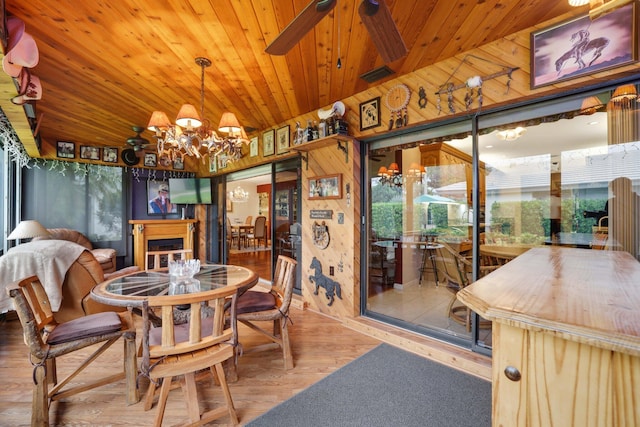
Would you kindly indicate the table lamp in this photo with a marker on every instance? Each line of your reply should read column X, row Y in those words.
column 28, row 229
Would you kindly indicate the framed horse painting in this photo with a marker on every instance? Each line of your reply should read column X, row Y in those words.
column 583, row 46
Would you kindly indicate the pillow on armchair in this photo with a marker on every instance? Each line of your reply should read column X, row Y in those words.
column 105, row 256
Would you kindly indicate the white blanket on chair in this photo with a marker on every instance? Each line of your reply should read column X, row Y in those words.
column 47, row 259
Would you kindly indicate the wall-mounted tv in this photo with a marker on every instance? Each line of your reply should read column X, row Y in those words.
column 190, row 191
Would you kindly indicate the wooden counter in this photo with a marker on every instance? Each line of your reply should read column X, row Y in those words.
column 566, row 334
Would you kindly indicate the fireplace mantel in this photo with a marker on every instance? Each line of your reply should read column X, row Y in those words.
column 157, row 229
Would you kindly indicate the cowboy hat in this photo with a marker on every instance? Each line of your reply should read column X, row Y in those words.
column 32, row 91
column 23, row 54
column 15, row 30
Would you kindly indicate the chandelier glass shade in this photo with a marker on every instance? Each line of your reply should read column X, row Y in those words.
column 192, row 134
column 577, row 3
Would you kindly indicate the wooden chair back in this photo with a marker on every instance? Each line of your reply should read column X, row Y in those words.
column 255, row 306
column 248, row 220
column 156, row 259
column 182, row 349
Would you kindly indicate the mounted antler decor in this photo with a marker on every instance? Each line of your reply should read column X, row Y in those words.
column 473, row 86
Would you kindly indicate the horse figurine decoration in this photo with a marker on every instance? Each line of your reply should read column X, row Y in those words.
column 332, row 288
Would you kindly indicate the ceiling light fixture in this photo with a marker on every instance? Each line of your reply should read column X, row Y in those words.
column 577, row 3
column 238, row 195
column 511, row 134
column 192, row 135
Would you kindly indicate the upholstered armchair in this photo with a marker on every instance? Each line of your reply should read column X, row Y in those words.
column 105, row 256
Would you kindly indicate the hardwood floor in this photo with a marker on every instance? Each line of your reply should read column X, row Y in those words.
column 320, row 346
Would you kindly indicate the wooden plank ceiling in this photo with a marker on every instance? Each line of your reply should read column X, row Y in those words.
column 105, row 66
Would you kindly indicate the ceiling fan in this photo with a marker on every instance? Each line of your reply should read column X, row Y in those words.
column 138, row 143
column 375, row 15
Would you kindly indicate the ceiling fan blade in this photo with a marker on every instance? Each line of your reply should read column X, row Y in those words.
column 301, row 25
column 382, row 30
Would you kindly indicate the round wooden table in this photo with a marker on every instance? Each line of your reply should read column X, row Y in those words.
column 131, row 290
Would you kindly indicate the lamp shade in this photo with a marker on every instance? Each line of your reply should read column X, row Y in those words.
column 229, row 123
column 624, row 92
column 188, row 117
column 393, row 168
column 590, row 105
column 27, row 230
column 158, row 121
column 383, row 171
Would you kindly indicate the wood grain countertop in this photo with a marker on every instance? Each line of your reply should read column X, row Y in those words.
column 582, row 295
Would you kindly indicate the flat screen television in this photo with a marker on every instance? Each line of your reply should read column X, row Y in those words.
column 190, row 191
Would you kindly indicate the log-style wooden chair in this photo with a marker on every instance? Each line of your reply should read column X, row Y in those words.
column 48, row 340
column 273, row 307
column 156, row 259
column 172, row 350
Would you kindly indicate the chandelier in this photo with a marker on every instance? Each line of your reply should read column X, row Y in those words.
column 511, row 134
column 192, row 135
column 238, row 195
column 392, row 177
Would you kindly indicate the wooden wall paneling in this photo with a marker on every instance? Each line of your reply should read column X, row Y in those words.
column 325, row 161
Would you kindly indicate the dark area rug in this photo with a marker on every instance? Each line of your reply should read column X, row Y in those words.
column 387, row 387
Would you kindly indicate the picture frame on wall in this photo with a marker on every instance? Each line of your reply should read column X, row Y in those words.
column 110, row 155
column 159, row 198
column 282, row 136
column 150, row 160
column 325, row 187
column 253, row 147
column 370, row 114
column 178, row 164
column 582, row 46
column 213, row 164
column 229, row 206
column 89, row 153
column 268, row 147
column 66, row 150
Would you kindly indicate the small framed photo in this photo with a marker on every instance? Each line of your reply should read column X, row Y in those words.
column 325, row 187
column 91, row 153
column 268, row 148
column 178, row 164
column 213, row 164
column 223, row 161
column 282, row 136
column 150, row 160
column 253, row 147
column 66, row 150
column 110, row 155
column 370, row 114
column 582, row 46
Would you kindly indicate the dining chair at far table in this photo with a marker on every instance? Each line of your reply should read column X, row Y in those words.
column 259, row 232
column 154, row 260
column 272, row 307
column 47, row 340
column 183, row 349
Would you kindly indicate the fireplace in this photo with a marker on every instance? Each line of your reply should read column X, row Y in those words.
column 162, row 235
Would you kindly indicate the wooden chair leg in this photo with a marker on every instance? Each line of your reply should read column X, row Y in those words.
column 148, row 400
column 227, row 394
column 162, row 400
column 40, row 403
column 52, row 373
column 188, row 384
column 131, row 369
column 286, row 345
